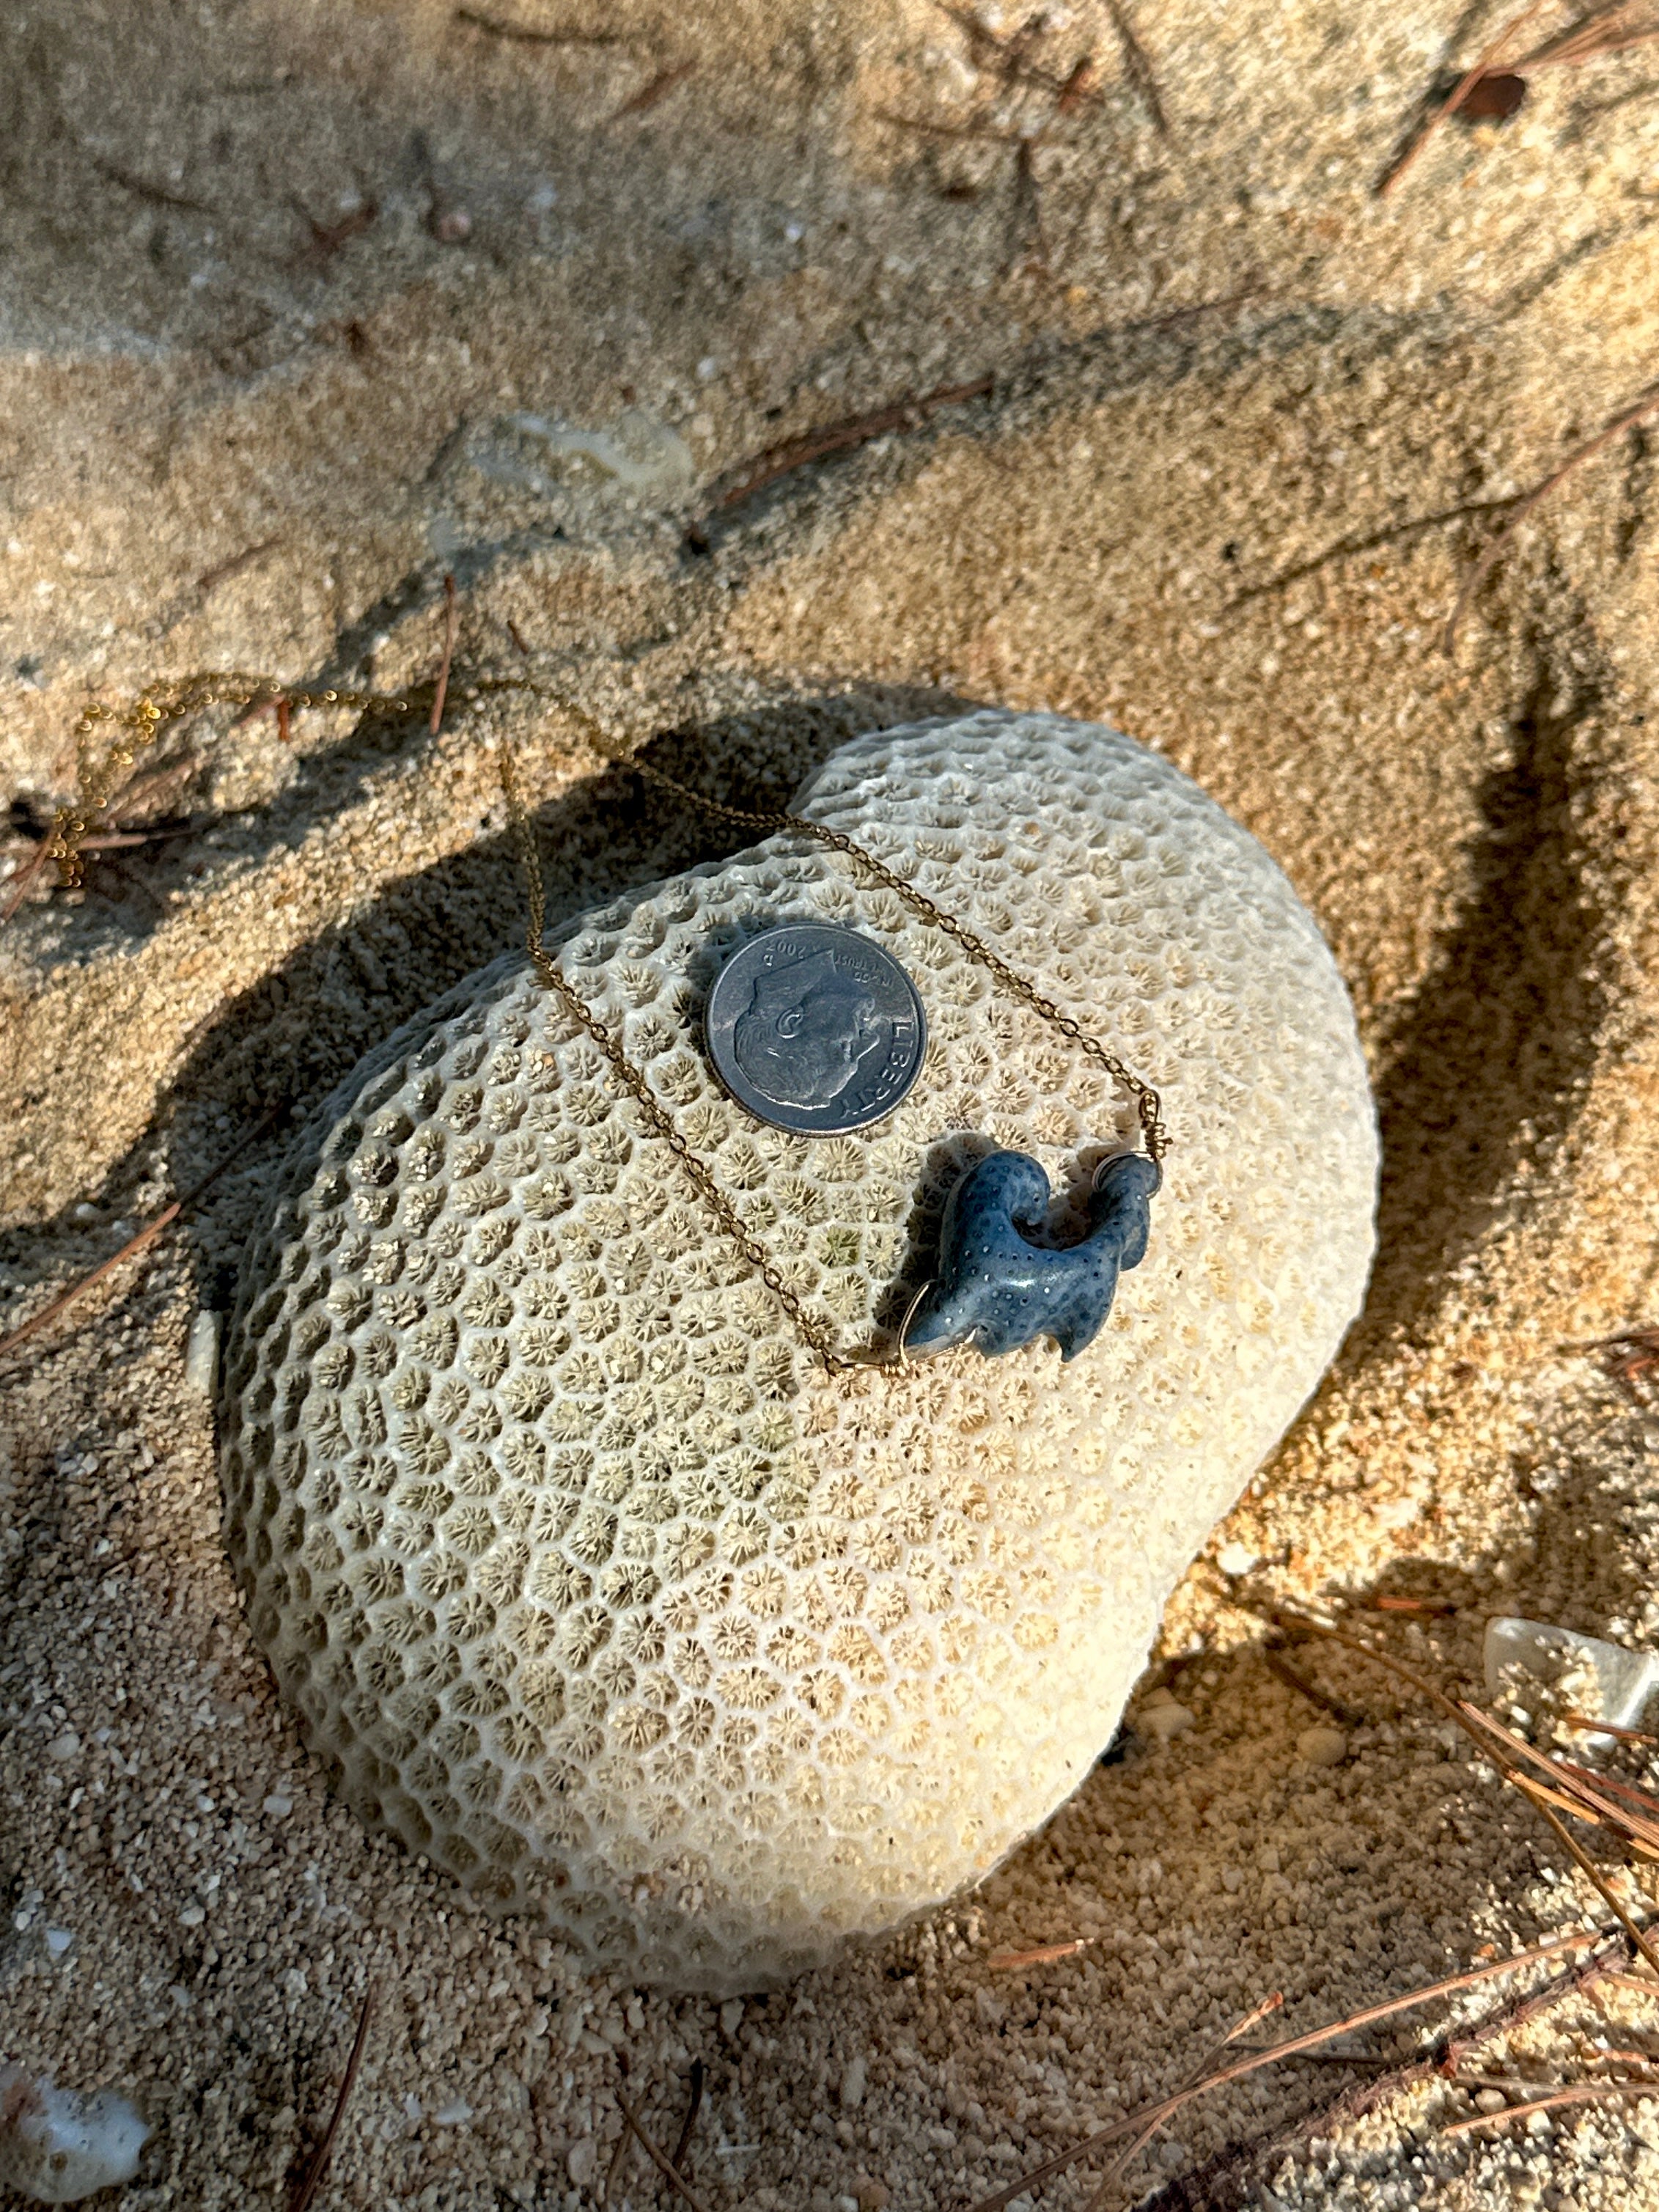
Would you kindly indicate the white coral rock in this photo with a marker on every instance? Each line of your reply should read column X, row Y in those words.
column 57, row 2147
column 581, row 1574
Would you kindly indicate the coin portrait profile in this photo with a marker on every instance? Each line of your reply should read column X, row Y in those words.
column 805, row 1031
column 815, row 1029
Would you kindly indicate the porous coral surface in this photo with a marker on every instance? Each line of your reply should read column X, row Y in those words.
column 584, row 1577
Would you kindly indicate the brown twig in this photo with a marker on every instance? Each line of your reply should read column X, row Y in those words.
column 1588, row 1866
column 145, row 1237
column 1439, row 1608
column 1648, row 405
column 1599, row 34
column 1131, row 2150
column 782, row 460
column 663, row 2166
column 18, row 890
column 212, row 578
column 141, row 187
column 1572, row 1788
column 625, row 2143
column 327, row 237
column 695, row 2105
column 442, row 691
column 1138, row 67
column 1588, row 1794
column 1292, row 2046
column 1569, row 2093
column 1277, row 1664
column 311, row 2179
column 1395, row 174
column 1004, row 1962
column 1226, row 2180
column 525, row 34
column 1078, row 87
column 658, row 89
column 1632, row 1354
column 1607, row 1727
column 118, row 838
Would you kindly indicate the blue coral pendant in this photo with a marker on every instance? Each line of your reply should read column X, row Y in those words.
column 997, row 1291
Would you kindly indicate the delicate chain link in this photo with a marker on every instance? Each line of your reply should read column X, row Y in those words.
column 1148, row 1103
column 138, row 724
column 633, row 1079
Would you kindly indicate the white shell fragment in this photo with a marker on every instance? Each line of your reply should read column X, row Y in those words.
column 1597, row 1680
column 201, row 1353
column 582, row 1576
column 57, row 2147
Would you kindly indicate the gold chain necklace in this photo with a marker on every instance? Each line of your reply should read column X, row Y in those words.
column 143, row 721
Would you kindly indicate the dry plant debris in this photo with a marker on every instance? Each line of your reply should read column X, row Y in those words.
column 317, row 2166
column 792, row 453
column 665, row 2165
column 1154, row 2114
column 1395, row 174
column 656, row 89
column 1001, row 115
column 1230, row 2179
column 1628, row 1360
column 144, row 1238
column 1043, row 1954
column 1628, row 419
column 531, row 34
column 1495, row 88
column 440, row 691
column 1628, row 1817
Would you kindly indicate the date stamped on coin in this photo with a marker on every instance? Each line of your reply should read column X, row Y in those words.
column 815, row 1028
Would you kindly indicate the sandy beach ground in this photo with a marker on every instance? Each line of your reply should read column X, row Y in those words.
column 305, row 308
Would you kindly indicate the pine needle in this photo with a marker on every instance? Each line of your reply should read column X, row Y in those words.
column 311, row 2179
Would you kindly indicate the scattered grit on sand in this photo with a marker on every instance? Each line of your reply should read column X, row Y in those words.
column 305, row 307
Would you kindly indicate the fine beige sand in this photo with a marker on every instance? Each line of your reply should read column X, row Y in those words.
column 306, row 305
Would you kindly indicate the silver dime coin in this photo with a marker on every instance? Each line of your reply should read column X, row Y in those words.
column 815, row 1029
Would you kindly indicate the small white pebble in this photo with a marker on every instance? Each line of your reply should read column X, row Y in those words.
column 852, row 2085
column 1164, row 1718
column 1322, row 1747
column 453, row 2114
column 1236, row 1560
column 58, row 1941
column 64, row 1746
column 580, row 2163
column 192, row 1915
column 414, row 2110
column 1491, row 2100
column 731, row 2017
column 708, row 369
column 202, row 1354
column 278, row 1806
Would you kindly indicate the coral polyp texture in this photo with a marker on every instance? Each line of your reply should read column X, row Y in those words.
column 582, row 1575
